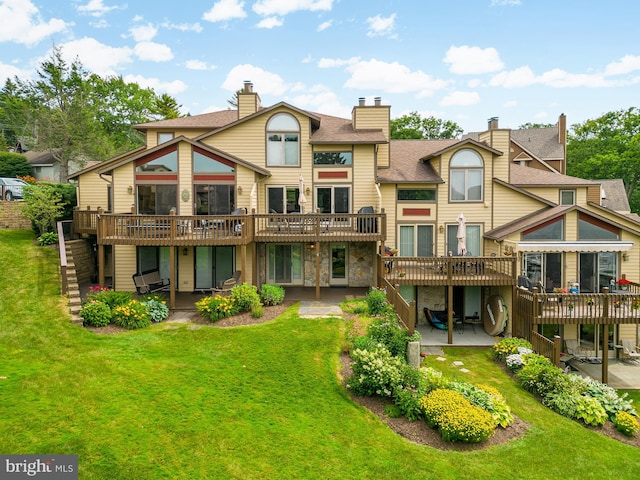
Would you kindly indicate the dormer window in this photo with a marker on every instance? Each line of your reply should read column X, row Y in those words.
column 164, row 137
column 466, row 176
column 283, row 141
column 567, row 197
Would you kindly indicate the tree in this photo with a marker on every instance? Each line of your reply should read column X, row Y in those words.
column 233, row 101
column 43, row 206
column 608, row 147
column 76, row 115
column 14, row 165
column 413, row 126
column 529, row 125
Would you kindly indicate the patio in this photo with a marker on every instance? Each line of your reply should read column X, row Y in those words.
column 465, row 336
column 622, row 374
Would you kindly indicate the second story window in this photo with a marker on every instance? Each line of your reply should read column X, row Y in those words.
column 332, row 158
column 567, row 197
column 466, row 176
column 164, row 137
column 283, row 141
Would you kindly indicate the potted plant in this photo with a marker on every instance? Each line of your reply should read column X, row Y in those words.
column 400, row 272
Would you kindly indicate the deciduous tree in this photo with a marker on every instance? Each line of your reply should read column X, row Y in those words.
column 413, row 126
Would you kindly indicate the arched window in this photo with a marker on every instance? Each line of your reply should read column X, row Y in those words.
column 466, row 177
column 283, row 141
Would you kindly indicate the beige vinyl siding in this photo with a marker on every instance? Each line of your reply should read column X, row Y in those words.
column 371, row 117
column 122, row 178
column 631, row 267
column 389, row 204
column 92, row 191
column 186, row 274
column 519, row 205
column 500, row 140
column 364, row 189
column 125, row 266
column 185, row 178
column 245, row 178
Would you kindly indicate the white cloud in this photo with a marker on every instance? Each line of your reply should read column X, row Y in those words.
column 307, row 59
column 11, row 71
column 466, row 60
column 95, row 8
column 198, row 65
column 21, row 22
column 336, row 62
column 267, row 83
column 324, row 25
column 172, row 88
column 270, row 22
column 153, row 52
column 183, row 27
column 380, row 26
column 627, row 64
column 520, row 77
column 392, row 78
column 96, row 57
column 320, row 98
column 225, row 10
column 268, row 8
column 101, row 23
column 143, row 33
column 460, row 99
column 505, row 3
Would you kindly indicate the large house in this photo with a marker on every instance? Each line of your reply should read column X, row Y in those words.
column 292, row 197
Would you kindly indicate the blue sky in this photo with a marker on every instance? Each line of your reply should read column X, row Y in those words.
column 461, row 60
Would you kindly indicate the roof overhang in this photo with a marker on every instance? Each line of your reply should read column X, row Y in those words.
column 553, row 247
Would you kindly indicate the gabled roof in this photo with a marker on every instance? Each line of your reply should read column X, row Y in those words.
column 528, row 221
column 524, row 192
column 547, row 214
column 541, row 142
column 531, row 156
column 40, row 158
column 461, row 143
column 208, row 121
column 340, row 130
column 615, row 195
column 529, row 177
column 94, row 165
column 406, row 164
column 108, row 166
column 262, row 111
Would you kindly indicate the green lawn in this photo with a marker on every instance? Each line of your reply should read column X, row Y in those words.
column 259, row 402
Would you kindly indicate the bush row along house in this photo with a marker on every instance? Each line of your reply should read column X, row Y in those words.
column 296, row 198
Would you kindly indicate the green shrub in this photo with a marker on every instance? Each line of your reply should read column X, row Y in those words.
column 374, row 372
column 244, row 297
column 532, row 375
column 388, row 331
column 508, row 346
column 376, row 300
column 157, row 309
column 608, row 398
column 271, row 294
column 356, row 305
column 216, row 307
column 133, row 315
column 48, row 238
column 392, row 411
column 407, row 399
column 562, row 402
column 456, row 418
column 432, row 379
column 486, row 398
column 626, row 423
column 590, row 411
column 95, row 314
column 257, row 311
column 110, row 297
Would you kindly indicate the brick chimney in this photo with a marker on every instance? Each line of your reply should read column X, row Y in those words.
column 248, row 100
column 562, row 129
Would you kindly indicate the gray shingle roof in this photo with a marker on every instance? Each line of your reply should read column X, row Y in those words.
column 209, row 121
column 527, row 176
column 340, row 130
column 542, row 142
column 406, row 166
column 615, row 195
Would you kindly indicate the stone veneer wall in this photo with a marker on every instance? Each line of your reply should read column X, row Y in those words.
column 432, row 297
column 11, row 216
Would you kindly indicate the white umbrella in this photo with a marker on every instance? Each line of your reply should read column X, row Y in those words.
column 301, row 198
column 462, row 235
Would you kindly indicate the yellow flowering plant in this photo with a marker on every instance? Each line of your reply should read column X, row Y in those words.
column 131, row 315
column 216, row 307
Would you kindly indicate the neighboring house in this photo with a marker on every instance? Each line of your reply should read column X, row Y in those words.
column 300, row 178
column 44, row 166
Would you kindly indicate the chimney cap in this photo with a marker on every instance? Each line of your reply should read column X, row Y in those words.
column 361, row 101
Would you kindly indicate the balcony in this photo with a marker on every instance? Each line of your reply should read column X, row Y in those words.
column 469, row 271
column 195, row 230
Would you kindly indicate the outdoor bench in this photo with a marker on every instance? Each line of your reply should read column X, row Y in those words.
column 149, row 282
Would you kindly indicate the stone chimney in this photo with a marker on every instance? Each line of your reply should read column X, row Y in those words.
column 248, row 100
column 493, row 123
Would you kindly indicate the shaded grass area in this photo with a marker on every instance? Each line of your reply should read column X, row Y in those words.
column 257, row 402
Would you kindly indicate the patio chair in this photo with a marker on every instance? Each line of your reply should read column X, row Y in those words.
column 629, row 350
column 574, row 349
column 434, row 321
column 226, row 287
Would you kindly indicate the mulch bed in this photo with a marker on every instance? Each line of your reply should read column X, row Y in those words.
column 417, row 431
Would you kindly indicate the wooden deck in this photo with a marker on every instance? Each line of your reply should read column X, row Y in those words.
column 449, row 270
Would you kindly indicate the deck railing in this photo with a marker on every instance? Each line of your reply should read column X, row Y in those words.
column 533, row 308
column 406, row 311
column 449, row 270
column 546, row 347
column 85, row 221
